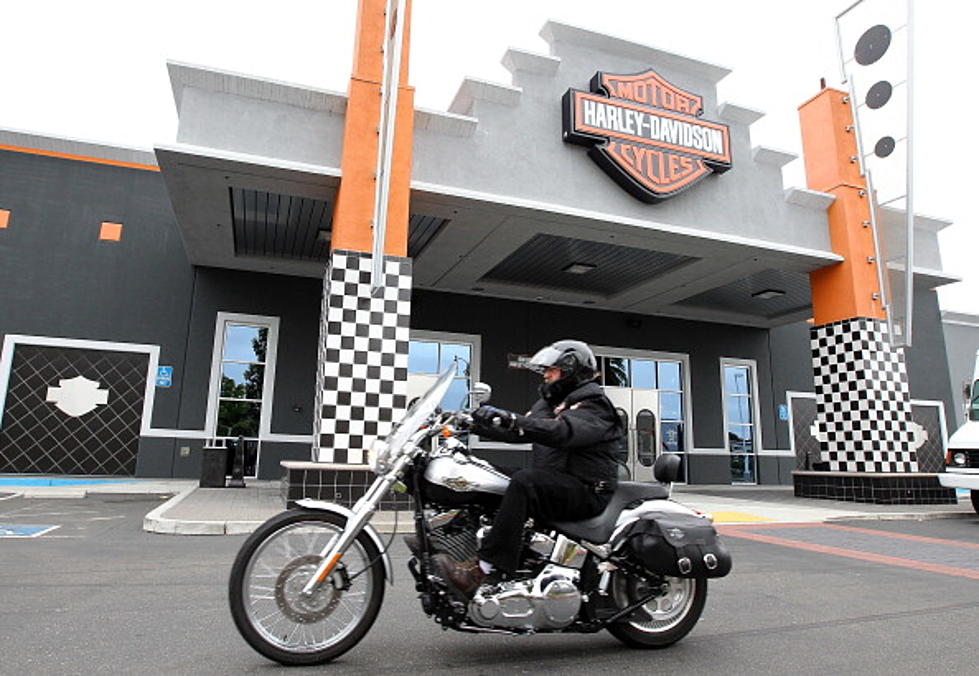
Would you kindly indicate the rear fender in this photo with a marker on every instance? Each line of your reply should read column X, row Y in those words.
column 340, row 510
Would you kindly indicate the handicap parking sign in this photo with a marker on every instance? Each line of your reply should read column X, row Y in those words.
column 164, row 376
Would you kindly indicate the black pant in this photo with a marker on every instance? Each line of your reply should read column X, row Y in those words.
column 544, row 495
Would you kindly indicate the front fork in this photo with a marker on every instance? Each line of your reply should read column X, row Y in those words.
column 362, row 512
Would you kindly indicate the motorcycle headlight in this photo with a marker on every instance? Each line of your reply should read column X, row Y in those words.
column 379, row 457
column 959, row 458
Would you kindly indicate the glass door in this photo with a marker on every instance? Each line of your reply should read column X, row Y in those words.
column 241, row 393
column 648, row 394
column 739, row 420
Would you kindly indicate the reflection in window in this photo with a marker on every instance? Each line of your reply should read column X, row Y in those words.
column 643, row 374
column 671, row 406
column 739, row 409
column 432, row 357
column 616, row 372
column 743, row 469
column 243, row 361
column 739, row 414
column 671, row 437
column 737, row 380
column 669, row 375
column 423, row 357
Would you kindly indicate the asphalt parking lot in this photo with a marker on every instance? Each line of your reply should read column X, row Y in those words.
column 99, row 595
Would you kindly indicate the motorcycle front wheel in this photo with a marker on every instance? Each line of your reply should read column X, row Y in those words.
column 665, row 619
column 270, row 571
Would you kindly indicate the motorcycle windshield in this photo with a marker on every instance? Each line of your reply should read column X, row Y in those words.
column 423, row 407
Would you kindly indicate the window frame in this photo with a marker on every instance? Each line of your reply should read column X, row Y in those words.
column 685, row 395
column 756, row 436
column 221, row 322
column 473, row 340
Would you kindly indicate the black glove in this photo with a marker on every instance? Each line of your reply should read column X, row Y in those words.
column 491, row 416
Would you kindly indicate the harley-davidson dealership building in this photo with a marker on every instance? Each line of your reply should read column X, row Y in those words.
column 220, row 286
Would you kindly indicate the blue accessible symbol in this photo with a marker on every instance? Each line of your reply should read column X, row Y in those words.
column 164, row 376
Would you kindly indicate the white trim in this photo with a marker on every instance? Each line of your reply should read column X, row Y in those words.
column 152, row 351
column 758, row 445
column 709, row 451
column 789, row 396
column 940, row 405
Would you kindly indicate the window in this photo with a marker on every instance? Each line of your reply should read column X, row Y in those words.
column 242, row 374
column 430, row 353
column 665, row 377
column 740, row 416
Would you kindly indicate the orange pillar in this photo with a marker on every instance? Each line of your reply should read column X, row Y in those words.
column 354, row 208
column 850, row 288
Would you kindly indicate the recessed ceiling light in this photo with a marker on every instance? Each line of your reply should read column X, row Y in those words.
column 579, row 268
column 768, row 293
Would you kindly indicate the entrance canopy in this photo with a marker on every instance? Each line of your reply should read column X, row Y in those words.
column 500, row 204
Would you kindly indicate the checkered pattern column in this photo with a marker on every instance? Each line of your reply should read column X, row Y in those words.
column 863, row 402
column 362, row 380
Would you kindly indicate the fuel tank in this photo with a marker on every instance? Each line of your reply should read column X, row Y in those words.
column 460, row 478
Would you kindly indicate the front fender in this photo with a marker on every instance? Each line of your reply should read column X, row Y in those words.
column 340, row 510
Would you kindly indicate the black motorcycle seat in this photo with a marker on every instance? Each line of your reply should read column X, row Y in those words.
column 598, row 529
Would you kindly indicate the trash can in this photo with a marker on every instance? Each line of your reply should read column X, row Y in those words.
column 214, row 465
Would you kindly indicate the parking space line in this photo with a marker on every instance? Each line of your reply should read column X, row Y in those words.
column 746, row 533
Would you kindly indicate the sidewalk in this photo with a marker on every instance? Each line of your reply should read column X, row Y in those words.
column 232, row 511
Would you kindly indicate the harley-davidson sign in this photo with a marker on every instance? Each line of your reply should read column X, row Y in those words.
column 646, row 133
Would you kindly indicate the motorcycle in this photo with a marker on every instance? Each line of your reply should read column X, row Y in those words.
column 308, row 584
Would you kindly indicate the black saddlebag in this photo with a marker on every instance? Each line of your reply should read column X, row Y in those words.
column 678, row 545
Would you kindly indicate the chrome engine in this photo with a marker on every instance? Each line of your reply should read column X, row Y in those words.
column 549, row 601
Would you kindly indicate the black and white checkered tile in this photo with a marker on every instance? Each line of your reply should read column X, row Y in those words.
column 363, row 368
column 863, row 402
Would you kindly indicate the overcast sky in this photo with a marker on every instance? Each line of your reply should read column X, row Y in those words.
column 96, row 70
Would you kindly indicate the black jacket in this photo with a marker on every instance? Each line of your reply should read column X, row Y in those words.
column 579, row 436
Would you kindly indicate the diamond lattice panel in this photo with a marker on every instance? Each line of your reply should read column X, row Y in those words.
column 38, row 437
column 931, row 454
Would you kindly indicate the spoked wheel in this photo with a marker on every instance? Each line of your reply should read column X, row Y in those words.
column 663, row 620
column 268, row 577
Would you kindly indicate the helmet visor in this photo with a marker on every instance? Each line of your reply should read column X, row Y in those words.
column 544, row 359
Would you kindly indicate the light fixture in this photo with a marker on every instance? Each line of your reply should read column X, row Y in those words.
column 578, row 268
column 768, row 293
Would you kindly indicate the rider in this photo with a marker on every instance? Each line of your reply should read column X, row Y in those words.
column 575, row 433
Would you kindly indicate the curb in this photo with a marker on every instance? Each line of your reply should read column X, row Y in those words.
column 155, row 522
column 54, row 492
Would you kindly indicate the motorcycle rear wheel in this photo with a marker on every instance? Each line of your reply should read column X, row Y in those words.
column 270, row 571
column 664, row 620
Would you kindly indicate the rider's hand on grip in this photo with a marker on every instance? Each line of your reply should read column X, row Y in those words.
column 491, row 416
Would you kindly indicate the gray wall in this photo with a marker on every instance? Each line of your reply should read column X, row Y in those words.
column 58, row 279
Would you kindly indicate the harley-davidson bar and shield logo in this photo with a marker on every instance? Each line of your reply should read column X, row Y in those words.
column 646, row 133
